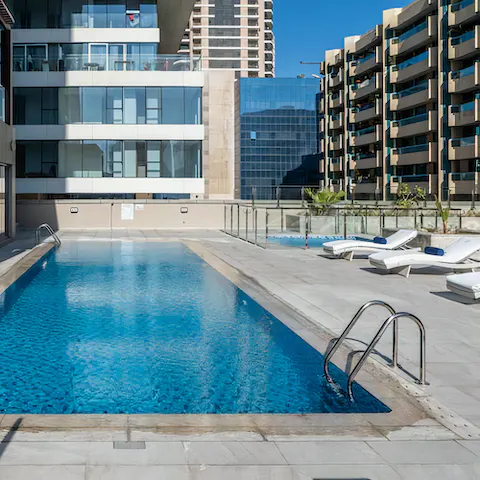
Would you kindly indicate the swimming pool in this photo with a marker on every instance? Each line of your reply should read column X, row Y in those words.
column 132, row 327
column 314, row 241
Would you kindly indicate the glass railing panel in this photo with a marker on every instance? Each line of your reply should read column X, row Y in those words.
column 411, row 61
column 464, row 107
column 408, row 121
column 364, row 156
column 412, row 178
column 463, row 142
column 364, row 131
column 363, row 84
column 410, row 33
column 412, row 90
column 463, row 38
column 2, row 103
column 465, row 72
column 412, row 149
column 461, row 5
column 463, row 176
column 365, row 59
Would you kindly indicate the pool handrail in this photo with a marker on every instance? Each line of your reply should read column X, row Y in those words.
column 347, row 330
column 51, row 232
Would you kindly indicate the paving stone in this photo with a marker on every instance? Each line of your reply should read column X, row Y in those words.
column 42, row 473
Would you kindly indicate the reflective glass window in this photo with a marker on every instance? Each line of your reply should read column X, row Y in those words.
column 94, row 104
column 173, row 106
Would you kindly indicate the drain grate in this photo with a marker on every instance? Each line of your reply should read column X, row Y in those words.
column 129, row 445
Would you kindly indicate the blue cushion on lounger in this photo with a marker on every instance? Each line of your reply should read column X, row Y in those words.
column 380, row 240
column 434, row 251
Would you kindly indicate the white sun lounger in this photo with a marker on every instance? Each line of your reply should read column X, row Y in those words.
column 456, row 258
column 465, row 284
column 348, row 248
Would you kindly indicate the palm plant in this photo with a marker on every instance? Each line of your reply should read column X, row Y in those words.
column 407, row 198
column 444, row 214
column 322, row 200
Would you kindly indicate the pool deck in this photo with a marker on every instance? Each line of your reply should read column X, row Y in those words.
column 432, row 433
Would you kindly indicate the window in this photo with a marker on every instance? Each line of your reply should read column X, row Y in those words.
column 36, row 106
column 93, row 158
column 173, row 106
column 94, row 104
column 70, row 159
column 134, row 106
column 69, row 106
column 153, row 104
column 153, row 159
column 193, row 106
column 114, row 105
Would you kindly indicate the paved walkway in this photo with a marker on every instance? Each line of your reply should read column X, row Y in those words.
column 328, row 292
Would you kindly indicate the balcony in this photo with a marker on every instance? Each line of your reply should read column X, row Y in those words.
column 462, row 183
column 415, row 37
column 464, row 45
column 336, row 164
column 336, row 122
column 336, row 100
column 336, row 143
column 366, row 186
column 335, row 81
column 367, row 112
column 368, row 38
column 364, row 161
column 107, row 62
column 414, row 155
column 426, row 182
column 359, row 67
column 414, row 12
column 465, row 148
column 416, row 125
column 464, row 114
column 367, row 87
column 464, row 80
column 366, row 136
column 463, row 11
column 424, row 92
column 415, row 66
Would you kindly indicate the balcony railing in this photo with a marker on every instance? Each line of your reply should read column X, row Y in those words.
column 410, row 178
column 410, row 33
column 465, row 37
column 463, row 176
column 461, row 5
column 2, row 103
column 464, row 107
column 465, row 72
column 412, row 149
column 364, row 131
column 363, row 84
column 412, row 90
column 364, row 156
column 411, row 61
column 336, row 160
column 408, row 121
column 359, row 61
column 463, row 142
column 364, row 107
column 136, row 62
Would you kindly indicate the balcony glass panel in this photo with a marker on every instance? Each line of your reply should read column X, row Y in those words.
column 412, row 149
column 363, row 84
column 464, row 72
column 411, row 61
column 461, row 5
column 415, row 119
column 364, row 156
column 412, row 90
column 463, row 176
column 410, row 33
column 463, row 142
column 463, row 38
column 2, row 103
column 411, row 178
column 364, row 131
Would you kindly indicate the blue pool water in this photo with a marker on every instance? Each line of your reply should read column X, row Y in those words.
column 314, row 241
column 118, row 327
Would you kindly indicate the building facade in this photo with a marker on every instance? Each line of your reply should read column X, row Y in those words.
column 277, row 137
column 402, row 104
column 233, row 34
column 104, row 107
column 7, row 143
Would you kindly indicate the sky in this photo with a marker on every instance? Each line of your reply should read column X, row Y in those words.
column 304, row 29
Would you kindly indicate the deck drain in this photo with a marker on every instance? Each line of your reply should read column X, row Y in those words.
column 129, row 445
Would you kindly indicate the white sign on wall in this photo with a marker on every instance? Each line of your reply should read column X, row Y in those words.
column 128, row 211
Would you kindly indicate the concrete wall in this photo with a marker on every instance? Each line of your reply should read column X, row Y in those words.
column 114, row 214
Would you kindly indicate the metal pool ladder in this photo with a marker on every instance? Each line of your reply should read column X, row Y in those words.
column 393, row 318
column 50, row 231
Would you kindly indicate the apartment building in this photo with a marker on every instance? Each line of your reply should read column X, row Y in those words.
column 233, row 34
column 7, row 144
column 106, row 108
column 402, row 104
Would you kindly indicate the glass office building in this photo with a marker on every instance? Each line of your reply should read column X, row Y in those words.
column 279, row 136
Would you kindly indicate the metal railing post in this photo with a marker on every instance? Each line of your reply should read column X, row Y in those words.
column 255, row 217
column 254, row 192
column 238, row 220
column 396, row 218
column 278, row 197
column 266, row 227
column 282, row 226
column 225, row 218
column 344, row 224
column 231, row 219
column 303, row 196
column 415, row 219
column 366, row 219
column 460, row 220
column 246, row 224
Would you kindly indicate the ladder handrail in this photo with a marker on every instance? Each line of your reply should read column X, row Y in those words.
column 51, row 232
column 342, row 337
column 394, row 318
